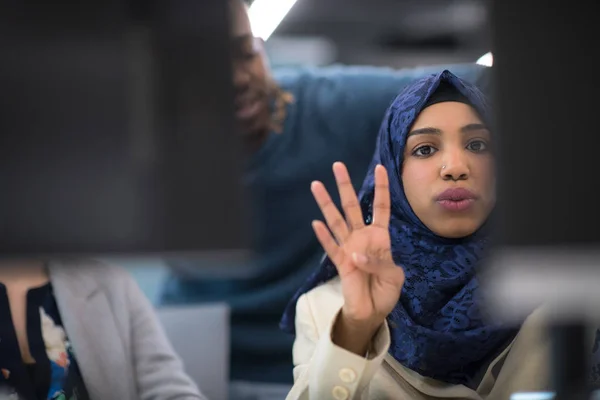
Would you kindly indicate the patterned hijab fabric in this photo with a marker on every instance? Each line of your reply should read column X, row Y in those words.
column 438, row 327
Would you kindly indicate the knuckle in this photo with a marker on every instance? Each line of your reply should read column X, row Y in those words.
column 357, row 225
column 350, row 205
column 326, row 203
column 338, row 224
column 381, row 205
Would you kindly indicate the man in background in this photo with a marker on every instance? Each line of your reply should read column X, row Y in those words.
column 295, row 124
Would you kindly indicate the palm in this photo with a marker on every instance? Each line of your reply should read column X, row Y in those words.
column 371, row 282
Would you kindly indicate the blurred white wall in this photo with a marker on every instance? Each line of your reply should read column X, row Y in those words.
column 301, row 50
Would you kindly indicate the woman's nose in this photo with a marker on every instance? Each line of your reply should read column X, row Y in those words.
column 455, row 166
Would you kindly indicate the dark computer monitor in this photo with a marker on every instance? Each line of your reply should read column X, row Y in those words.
column 116, row 129
column 547, row 234
column 544, row 88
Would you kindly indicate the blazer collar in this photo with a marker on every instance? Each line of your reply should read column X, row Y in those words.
column 92, row 328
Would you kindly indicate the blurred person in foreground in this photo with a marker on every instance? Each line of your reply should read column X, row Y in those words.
column 396, row 310
column 295, row 124
column 77, row 330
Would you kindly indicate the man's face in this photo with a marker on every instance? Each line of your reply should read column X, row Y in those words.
column 250, row 76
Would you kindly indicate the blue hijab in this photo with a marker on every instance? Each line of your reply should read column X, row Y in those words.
column 437, row 328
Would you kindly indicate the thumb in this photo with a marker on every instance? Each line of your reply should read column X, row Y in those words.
column 387, row 270
column 371, row 265
column 360, row 259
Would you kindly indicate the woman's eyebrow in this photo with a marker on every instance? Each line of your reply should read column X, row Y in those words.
column 425, row 131
column 435, row 131
column 473, row 127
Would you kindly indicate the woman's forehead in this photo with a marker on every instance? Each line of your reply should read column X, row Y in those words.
column 446, row 114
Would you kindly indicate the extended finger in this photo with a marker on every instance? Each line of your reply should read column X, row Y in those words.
column 348, row 196
column 335, row 220
column 381, row 200
column 333, row 251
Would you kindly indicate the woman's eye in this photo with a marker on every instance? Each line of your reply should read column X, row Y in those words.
column 424, row 151
column 477, row 146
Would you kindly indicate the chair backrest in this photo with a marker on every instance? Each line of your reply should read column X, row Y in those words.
column 200, row 336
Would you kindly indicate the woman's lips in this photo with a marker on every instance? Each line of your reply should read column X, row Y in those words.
column 456, row 205
column 456, row 199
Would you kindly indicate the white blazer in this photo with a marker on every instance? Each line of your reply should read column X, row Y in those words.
column 120, row 346
column 325, row 371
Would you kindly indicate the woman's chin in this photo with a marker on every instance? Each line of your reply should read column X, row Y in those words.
column 456, row 230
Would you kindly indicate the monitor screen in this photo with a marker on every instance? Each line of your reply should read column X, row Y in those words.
column 545, row 103
column 547, row 119
column 117, row 131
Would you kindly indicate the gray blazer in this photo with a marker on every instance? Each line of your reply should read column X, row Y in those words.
column 118, row 342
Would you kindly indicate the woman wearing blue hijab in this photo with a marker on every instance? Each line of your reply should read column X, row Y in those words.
column 366, row 328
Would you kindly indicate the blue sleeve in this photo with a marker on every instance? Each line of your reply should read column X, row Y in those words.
column 371, row 90
column 353, row 100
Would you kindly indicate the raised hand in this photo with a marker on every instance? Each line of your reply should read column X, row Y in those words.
column 371, row 282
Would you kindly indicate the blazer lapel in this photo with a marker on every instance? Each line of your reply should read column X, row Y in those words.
column 88, row 322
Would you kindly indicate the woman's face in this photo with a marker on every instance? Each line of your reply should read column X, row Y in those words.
column 448, row 171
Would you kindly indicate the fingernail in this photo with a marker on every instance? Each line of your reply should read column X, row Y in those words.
column 359, row 258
